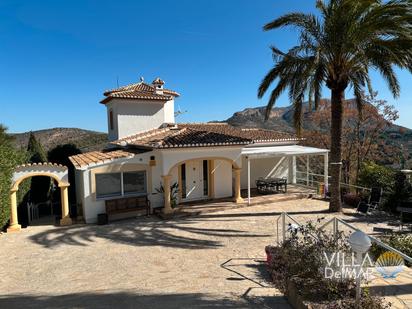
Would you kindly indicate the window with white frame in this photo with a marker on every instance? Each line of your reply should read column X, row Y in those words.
column 110, row 185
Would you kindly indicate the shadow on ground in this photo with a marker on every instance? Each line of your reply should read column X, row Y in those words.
column 123, row 300
column 141, row 232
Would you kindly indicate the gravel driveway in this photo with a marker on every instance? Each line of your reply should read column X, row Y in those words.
column 211, row 260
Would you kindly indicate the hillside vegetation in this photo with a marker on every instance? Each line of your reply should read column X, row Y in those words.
column 85, row 140
column 281, row 119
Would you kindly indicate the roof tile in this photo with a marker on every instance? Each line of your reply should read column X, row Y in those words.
column 141, row 91
column 95, row 157
column 202, row 135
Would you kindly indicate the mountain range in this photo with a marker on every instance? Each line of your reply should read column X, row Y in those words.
column 280, row 119
column 85, row 140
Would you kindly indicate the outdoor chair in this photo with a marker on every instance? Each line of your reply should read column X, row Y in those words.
column 363, row 207
column 372, row 203
column 405, row 210
column 375, row 198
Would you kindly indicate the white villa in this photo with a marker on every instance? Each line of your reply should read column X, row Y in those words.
column 148, row 150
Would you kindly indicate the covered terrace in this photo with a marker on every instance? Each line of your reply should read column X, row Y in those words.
column 288, row 154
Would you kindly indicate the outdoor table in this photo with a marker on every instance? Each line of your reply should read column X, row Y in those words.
column 271, row 185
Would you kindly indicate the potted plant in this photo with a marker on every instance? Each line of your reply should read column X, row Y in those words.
column 174, row 190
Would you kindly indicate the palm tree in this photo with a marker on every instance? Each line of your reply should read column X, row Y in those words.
column 338, row 47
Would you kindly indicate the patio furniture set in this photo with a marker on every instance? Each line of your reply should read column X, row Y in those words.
column 374, row 202
column 272, row 185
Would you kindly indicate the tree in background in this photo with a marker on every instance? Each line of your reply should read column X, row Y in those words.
column 40, row 185
column 338, row 48
column 60, row 155
column 9, row 159
column 363, row 133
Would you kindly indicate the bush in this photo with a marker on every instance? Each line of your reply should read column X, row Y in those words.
column 400, row 193
column 300, row 259
column 401, row 242
column 40, row 185
column 351, row 199
column 374, row 175
column 60, row 155
column 9, row 159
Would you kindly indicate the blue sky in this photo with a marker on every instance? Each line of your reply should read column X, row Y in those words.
column 57, row 57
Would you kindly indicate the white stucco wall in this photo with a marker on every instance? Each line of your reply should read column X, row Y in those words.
column 134, row 116
column 166, row 163
column 222, row 178
column 92, row 206
column 171, row 157
column 265, row 167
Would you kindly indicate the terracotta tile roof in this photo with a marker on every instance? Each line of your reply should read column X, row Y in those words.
column 254, row 134
column 139, row 90
column 94, row 157
column 202, row 135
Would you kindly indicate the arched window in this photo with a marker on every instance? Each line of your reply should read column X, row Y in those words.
column 111, row 124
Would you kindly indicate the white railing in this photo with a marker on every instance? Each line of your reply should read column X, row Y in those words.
column 311, row 180
column 335, row 230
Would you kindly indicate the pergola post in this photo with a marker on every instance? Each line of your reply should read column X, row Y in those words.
column 325, row 170
column 248, row 180
column 238, row 198
column 14, row 225
column 65, row 220
column 292, row 169
column 166, row 192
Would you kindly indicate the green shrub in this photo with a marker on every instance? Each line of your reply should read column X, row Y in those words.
column 60, row 155
column 401, row 242
column 40, row 185
column 301, row 259
column 9, row 159
column 400, row 193
column 375, row 175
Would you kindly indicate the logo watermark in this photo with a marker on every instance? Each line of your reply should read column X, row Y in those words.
column 389, row 264
column 343, row 265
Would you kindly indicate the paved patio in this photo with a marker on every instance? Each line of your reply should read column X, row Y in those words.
column 214, row 259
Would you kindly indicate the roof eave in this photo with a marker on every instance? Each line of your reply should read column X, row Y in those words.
column 106, row 100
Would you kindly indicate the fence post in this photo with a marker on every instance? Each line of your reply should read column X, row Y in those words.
column 335, row 227
column 283, row 227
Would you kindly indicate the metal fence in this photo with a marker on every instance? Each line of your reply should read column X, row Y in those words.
column 313, row 180
column 337, row 225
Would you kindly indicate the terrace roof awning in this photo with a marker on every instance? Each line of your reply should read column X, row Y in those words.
column 281, row 151
column 285, row 151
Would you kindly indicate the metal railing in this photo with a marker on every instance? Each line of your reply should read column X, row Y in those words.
column 335, row 228
column 311, row 181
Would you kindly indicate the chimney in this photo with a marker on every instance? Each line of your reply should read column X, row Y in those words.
column 158, row 85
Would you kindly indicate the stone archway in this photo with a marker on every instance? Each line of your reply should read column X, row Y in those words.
column 57, row 172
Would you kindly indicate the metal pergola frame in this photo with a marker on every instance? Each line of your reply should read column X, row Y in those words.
column 285, row 151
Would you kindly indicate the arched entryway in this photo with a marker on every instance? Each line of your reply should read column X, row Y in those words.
column 210, row 164
column 57, row 172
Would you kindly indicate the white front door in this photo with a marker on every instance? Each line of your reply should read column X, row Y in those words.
column 194, row 180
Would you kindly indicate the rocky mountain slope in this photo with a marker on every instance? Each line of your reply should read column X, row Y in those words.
column 281, row 118
column 85, row 140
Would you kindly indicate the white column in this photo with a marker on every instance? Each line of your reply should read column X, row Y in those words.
column 248, row 181
column 292, row 170
column 325, row 169
column 238, row 197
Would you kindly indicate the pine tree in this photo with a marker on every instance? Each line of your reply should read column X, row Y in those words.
column 35, row 149
column 40, row 185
